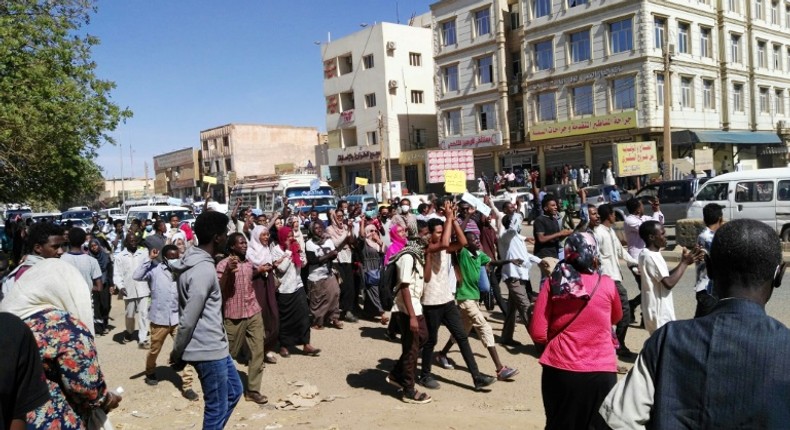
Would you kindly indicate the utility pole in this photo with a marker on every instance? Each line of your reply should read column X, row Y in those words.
column 123, row 191
column 385, row 189
column 667, row 105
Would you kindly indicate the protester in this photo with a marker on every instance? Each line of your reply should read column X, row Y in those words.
column 323, row 285
column 342, row 239
column 713, row 216
column 548, row 235
column 658, row 307
column 44, row 240
column 136, row 294
column 371, row 254
column 157, row 239
column 87, row 266
column 263, row 281
column 102, row 299
column 55, row 304
column 242, row 312
column 201, row 339
column 727, row 369
column 573, row 318
column 636, row 216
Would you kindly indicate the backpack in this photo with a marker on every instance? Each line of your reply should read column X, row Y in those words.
column 388, row 287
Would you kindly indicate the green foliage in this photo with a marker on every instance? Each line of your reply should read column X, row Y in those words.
column 54, row 111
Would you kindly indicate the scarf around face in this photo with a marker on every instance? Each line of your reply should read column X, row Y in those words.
column 415, row 245
column 282, row 236
column 102, row 257
column 372, row 233
column 258, row 253
column 581, row 252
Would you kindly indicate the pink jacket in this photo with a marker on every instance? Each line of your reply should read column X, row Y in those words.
column 586, row 344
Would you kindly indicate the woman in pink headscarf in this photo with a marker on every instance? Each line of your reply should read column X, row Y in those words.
column 398, row 236
column 291, row 296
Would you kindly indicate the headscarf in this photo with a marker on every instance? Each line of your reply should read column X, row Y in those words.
column 581, row 252
column 415, row 245
column 397, row 243
column 370, row 233
column 258, row 253
column 296, row 256
column 102, row 257
column 337, row 231
column 50, row 284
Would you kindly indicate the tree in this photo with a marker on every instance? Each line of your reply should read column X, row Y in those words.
column 54, row 111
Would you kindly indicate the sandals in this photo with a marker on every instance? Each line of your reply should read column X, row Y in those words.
column 270, row 358
column 416, row 397
column 337, row 324
column 317, row 327
column 284, row 352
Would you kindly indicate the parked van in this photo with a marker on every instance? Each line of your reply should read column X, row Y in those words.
column 165, row 212
column 366, row 200
column 114, row 213
column 762, row 194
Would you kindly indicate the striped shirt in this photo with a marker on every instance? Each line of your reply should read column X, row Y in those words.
column 241, row 302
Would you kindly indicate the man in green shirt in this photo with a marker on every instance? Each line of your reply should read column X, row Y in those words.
column 470, row 261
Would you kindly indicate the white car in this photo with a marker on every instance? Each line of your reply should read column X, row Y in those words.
column 511, row 195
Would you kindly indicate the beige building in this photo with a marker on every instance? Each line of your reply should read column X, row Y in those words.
column 234, row 151
column 177, row 173
column 132, row 188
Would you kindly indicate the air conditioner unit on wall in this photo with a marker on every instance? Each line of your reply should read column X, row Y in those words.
column 671, row 49
column 393, row 84
column 391, row 45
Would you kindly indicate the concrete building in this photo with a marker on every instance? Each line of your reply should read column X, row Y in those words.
column 594, row 76
column 237, row 151
column 380, row 104
column 177, row 173
column 131, row 188
column 477, row 50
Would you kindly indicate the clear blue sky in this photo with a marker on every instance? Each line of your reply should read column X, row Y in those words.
column 185, row 66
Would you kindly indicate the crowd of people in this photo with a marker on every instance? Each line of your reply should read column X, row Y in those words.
column 268, row 281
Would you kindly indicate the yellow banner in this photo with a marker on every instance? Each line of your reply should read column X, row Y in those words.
column 581, row 126
column 454, row 181
column 361, row 181
column 209, row 179
column 636, row 158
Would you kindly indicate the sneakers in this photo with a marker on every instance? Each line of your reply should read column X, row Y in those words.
column 443, row 361
column 506, row 373
column 191, row 395
column 482, row 381
column 428, row 381
column 151, row 380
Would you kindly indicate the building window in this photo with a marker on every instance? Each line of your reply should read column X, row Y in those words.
column 450, row 78
column 372, row 138
column 485, row 70
column 226, row 142
column 515, row 65
column 483, row 22
column 686, row 92
column 788, row 59
column 660, row 89
column 623, row 93
column 763, row 100
column 683, row 38
column 367, row 61
column 370, row 100
column 544, row 55
column 787, row 16
column 775, row 12
column 737, row 97
column 580, row 46
column 777, row 57
column 758, row 9
column 574, row 3
column 735, row 48
column 659, row 29
column 415, row 59
column 448, row 33
column 487, row 116
column 761, row 60
column 452, row 123
column 707, row 94
column 228, row 165
column 705, row 42
column 541, row 8
column 420, row 137
column 417, row 97
column 621, row 36
column 546, row 106
column 582, row 100
column 515, row 16
column 735, row 6
column 779, row 102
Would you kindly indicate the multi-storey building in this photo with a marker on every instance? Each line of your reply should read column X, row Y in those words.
column 594, row 75
column 478, row 81
column 380, row 107
column 236, row 151
column 177, row 173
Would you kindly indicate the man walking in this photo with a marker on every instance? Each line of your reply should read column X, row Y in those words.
column 201, row 339
column 611, row 252
column 548, row 235
column 727, row 369
column 636, row 216
column 713, row 216
column 87, row 265
column 136, row 294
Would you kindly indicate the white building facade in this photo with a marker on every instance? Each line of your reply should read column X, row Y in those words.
column 380, row 104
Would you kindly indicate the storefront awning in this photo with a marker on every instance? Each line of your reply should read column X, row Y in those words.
column 690, row 137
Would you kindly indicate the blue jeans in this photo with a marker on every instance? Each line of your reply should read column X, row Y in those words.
column 221, row 391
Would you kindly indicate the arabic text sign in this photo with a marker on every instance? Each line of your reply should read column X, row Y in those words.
column 209, row 179
column 361, row 181
column 636, row 158
column 581, row 126
column 454, row 181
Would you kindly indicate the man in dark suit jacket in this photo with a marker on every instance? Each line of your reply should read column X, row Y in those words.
column 727, row 369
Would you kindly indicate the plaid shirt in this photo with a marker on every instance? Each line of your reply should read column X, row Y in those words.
column 242, row 303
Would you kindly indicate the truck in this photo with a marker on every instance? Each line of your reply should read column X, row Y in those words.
column 270, row 193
